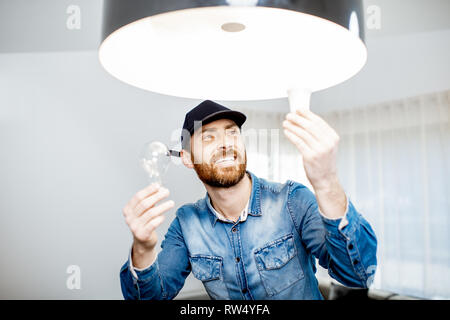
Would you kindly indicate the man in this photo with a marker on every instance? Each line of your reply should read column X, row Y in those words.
column 249, row 238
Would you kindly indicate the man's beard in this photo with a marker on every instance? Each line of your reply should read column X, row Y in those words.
column 221, row 177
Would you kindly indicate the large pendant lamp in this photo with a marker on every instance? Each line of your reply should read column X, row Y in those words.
column 233, row 50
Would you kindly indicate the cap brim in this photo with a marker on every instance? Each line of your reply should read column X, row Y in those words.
column 238, row 117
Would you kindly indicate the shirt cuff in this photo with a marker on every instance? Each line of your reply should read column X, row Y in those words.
column 134, row 269
column 343, row 220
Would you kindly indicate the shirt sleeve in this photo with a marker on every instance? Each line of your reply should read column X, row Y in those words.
column 133, row 269
column 165, row 277
column 343, row 220
column 347, row 249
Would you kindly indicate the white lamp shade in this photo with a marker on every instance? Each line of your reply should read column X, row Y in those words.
column 235, row 52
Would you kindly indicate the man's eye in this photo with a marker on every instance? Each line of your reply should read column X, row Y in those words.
column 207, row 137
column 233, row 131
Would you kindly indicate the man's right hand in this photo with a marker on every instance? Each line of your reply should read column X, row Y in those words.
column 143, row 216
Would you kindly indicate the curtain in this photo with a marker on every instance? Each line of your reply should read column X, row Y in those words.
column 393, row 163
column 269, row 153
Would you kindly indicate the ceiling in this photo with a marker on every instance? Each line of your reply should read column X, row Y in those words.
column 408, row 55
column 40, row 25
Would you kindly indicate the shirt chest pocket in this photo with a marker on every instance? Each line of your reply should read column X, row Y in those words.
column 208, row 269
column 278, row 264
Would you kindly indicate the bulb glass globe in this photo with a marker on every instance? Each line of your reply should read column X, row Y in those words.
column 155, row 159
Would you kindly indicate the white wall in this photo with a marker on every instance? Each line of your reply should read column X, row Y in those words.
column 69, row 140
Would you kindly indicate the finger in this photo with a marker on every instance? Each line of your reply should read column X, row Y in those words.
column 308, row 114
column 141, row 195
column 154, row 223
column 299, row 143
column 303, row 134
column 311, row 126
column 156, row 211
column 326, row 128
column 150, row 201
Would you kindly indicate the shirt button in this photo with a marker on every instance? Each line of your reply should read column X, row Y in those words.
column 350, row 246
column 234, row 230
column 238, row 259
column 244, row 290
column 355, row 262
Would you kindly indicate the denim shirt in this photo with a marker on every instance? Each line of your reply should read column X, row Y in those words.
column 270, row 255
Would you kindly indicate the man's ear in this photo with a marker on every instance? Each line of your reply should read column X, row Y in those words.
column 186, row 158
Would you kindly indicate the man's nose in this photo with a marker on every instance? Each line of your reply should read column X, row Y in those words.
column 226, row 143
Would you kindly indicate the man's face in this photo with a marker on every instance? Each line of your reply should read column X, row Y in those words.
column 218, row 153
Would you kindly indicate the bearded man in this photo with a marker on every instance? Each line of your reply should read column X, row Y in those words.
column 249, row 238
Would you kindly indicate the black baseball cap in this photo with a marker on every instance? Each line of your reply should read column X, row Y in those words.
column 206, row 112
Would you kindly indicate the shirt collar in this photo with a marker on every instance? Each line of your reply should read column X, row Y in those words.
column 219, row 216
column 253, row 204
